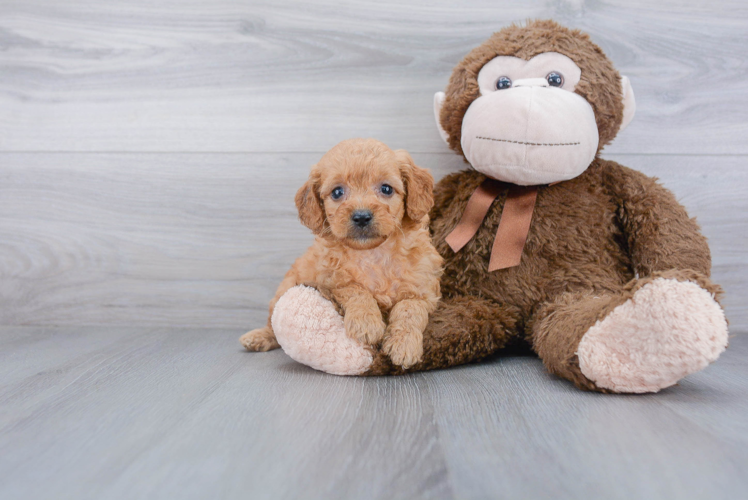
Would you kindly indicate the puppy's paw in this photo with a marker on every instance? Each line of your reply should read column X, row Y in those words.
column 403, row 346
column 364, row 325
column 260, row 339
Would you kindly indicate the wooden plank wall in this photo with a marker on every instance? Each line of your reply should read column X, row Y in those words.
column 149, row 150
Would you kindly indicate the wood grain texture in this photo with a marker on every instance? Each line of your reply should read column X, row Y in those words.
column 162, row 413
column 204, row 239
column 277, row 76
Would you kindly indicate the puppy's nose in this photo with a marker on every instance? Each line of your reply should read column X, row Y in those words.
column 362, row 218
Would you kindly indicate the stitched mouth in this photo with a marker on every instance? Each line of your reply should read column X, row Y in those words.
column 529, row 143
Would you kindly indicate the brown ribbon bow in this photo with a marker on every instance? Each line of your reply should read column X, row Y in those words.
column 513, row 226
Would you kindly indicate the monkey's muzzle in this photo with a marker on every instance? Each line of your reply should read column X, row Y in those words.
column 530, row 134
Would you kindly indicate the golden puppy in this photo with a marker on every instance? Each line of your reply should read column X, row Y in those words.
column 368, row 207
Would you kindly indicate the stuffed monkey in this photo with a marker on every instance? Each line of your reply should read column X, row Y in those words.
column 594, row 266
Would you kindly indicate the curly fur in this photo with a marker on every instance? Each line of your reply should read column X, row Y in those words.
column 389, row 271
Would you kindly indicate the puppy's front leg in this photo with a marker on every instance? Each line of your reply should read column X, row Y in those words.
column 362, row 318
column 404, row 338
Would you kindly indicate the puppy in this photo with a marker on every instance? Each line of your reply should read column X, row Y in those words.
column 368, row 207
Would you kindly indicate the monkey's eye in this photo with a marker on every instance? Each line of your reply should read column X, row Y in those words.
column 386, row 190
column 503, row 82
column 555, row 79
column 337, row 193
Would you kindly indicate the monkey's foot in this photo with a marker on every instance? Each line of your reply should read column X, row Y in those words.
column 667, row 330
column 310, row 331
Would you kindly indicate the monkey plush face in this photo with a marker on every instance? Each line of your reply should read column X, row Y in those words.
column 528, row 126
column 532, row 106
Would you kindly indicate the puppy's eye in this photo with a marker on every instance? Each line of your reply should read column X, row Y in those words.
column 386, row 190
column 337, row 193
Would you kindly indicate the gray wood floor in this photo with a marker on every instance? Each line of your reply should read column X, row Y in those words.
column 149, row 153
column 159, row 413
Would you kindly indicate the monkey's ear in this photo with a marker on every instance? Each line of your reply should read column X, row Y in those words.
column 438, row 103
column 309, row 204
column 419, row 186
column 629, row 103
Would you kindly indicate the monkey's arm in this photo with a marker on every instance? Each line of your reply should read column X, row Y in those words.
column 659, row 233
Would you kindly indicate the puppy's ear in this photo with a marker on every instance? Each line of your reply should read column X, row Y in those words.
column 419, row 186
column 309, row 204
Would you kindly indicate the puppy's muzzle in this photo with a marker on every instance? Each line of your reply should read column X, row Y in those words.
column 362, row 218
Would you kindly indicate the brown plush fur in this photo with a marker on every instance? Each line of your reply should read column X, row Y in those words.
column 589, row 239
column 387, row 268
column 594, row 240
